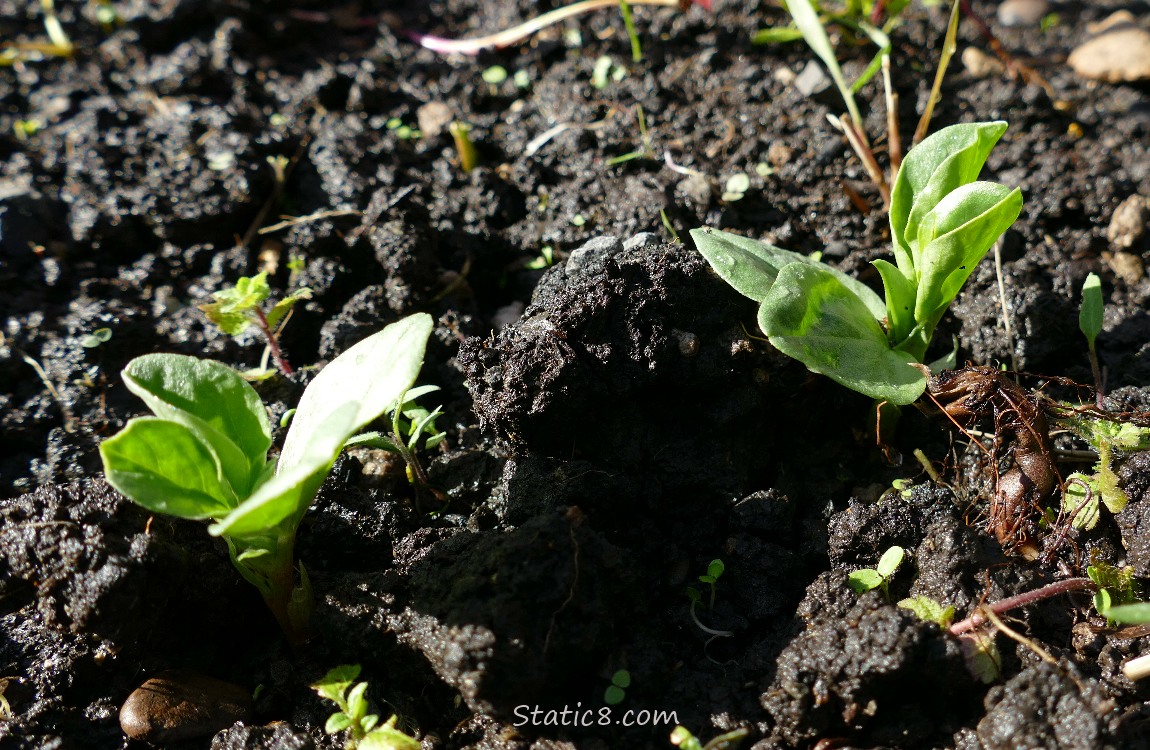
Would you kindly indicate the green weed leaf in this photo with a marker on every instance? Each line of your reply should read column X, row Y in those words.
column 929, row 610
column 811, row 316
column 890, row 561
column 387, row 737
column 1130, row 614
column 233, row 308
column 864, row 580
column 335, row 683
column 337, row 722
column 1090, row 314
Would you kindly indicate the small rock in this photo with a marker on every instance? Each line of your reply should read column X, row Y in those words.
column 596, row 250
column 981, row 65
column 812, row 80
column 1120, row 53
column 1128, row 223
column 1114, row 21
column 779, row 154
column 1126, row 266
column 784, row 75
column 433, row 118
column 179, row 705
column 698, row 189
column 642, row 239
column 1022, row 12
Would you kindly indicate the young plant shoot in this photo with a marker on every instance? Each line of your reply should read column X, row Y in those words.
column 943, row 222
column 237, row 308
column 364, row 732
column 204, row 453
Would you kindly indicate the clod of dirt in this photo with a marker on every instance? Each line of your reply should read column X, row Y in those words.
column 180, row 705
column 1134, row 520
column 1128, row 223
column 1046, row 707
column 274, row 736
column 876, row 671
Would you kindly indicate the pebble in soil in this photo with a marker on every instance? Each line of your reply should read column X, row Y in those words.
column 180, row 705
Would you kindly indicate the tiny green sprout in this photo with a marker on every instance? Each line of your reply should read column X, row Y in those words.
column 616, row 692
column 943, row 222
column 1081, row 500
column 25, row 129
column 364, row 732
column 644, row 150
column 1117, row 587
column 545, row 259
column 238, row 308
column 1049, row 21
column 681, row 737
column 578, row 220
column 468, row 154
column 1090, row 323
column 902, row 487
column 605, row 72
column 1106, row 435
column 522, row 79
column 867, row 579
column 495, row 75
column 929, row 610
column 715, row 569
column 204, row 455
column 96, row 337
column 762, row 169
column 736, row 188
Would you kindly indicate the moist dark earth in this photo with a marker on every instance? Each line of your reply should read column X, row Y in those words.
column 614, row 420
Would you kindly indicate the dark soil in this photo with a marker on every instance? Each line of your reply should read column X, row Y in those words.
column 614, row 422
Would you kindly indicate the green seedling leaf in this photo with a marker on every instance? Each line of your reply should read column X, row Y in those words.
column 1090, row 314
column 621, row 678
column 614, row 695
column 165, row 467
column 715, row 569
column 776, row 35
column 233, row 307
column 865, row 580
column 281, row 308
column 806, row 18
column 337, row 722
column 1130, row 614
column 811, row 316
column 387, row 737
column 96, row 337
column 980, row 652
column 369, row 722
column 211, row 400
column 944, row 161
column 1081, row 498
column 357, row 703
column 890, row 561
column 929, row 610
column 336, row 682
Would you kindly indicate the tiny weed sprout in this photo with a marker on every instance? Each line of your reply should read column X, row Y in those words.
column 929, row 610
column 238, row 308
column 1116, row 588
column 1106, row 434
column 364, row 732
column 616, row 692
column 878, row 577
column 681, row 737
column 204, row 453
column 468, row 154
column 96, row 337
column 1090, row 323
column 715, row 569
column 943, row 222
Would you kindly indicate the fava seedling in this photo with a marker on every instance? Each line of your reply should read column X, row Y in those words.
column 364, row 732
column 943, row 223
column 238, row 308
column 868, row 579
column 204, row 455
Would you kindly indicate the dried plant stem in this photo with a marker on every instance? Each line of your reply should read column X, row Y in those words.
column 1019, row 637
column 894, row 140
column 858, row 142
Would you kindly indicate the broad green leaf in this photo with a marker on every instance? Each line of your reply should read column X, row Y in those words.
column 212, row 400
column 337, row 722
column 943, row 161
column 960, row 232
column 811, row 316
column 750, row 266
column 864, row 580
column 890, row 561
column 166, row 468
column 900, row 294
column 1130, row 614
column 1090, row 314
column 285, row 497
column 374, row 374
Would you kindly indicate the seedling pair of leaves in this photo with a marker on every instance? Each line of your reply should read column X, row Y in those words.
column 868, row 579
column 616, row 692
column 204, row 455
column 364, row 732
column 943, row 222
column 238, row 308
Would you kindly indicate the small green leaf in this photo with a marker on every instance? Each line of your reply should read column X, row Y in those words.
column 929, row 610
column 811, row 316
column 281, row 308
column 232, row 309
column 167, row 468
column 614, row 695
column 890, row 561
column 981, row 655
column 621, row 678
column 1102, row 601
column 715, row 569
column 357, row 702
column 864, row 580
column 1080, row 487
column 335, row 683
column 776, row 35
column 369, row 722
column 1090, row 314
column 337, row 723
column 1130, row 614
column 387, row 737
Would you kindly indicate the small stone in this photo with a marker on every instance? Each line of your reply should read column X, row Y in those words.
column 981, row 65
column 1119, row 19
column 698, row 189
column 1022, row 12
column 592, row 251
column 179, row 705
column 1126, row 266
column 1128, row 223
column 779, row 154
column 812, row 80
column 642, row 239
column 433, row 118
column 1120, row 53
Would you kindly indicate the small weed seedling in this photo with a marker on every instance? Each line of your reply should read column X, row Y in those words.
column 238, row 308
column 1090, row 323
column 468, row 154
column 364, row 732
column 681, row 737
column 204, row 453
column 1107, row 434
column 715, row 569
column 929, row 610
column 943, row 223
column 1116, row 588
column 867, row 579
column 96, row 337
column 616, row 692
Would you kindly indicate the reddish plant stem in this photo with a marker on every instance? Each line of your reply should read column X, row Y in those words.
column 273, row 343
column 1030, row 597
